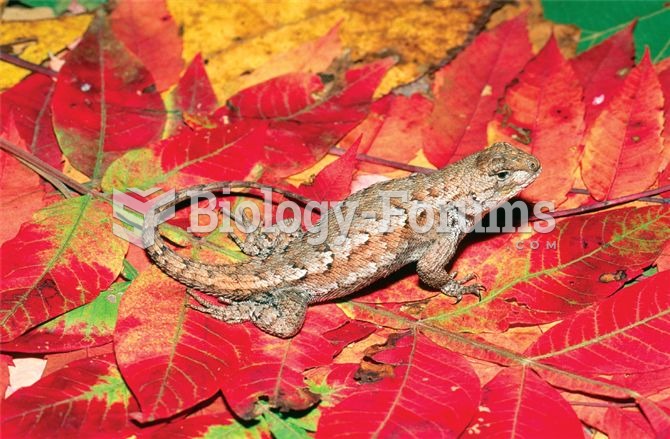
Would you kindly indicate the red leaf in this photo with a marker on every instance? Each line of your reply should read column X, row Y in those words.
column 59, row 261
column 147, row 29
column 545, row 112
column 622, row 148
column 658, row 415
column 193, row 156
column 172, row 358
column 194, row 94
column 350, row 332
column 87, row 398
column 391, row 118
column 626, row 328
column 273, row 368
column 21, row 194
column 333, row 183
column 664, row 178
column 228, row 152
column 645, row 383
column 517, row 403
column 104, row 102
column 602, row 70
column 426, row 392
column 467, row 90
column 307, row 116
column 28, row 106
column 5, row 362
column 594, row 256
column 618, row 423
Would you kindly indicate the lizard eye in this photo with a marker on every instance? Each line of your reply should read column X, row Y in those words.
column 502, row 175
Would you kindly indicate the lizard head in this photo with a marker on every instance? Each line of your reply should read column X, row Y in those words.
column 497, row 174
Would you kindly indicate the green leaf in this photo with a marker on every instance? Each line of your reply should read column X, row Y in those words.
column 60, row 6
column 598, row 20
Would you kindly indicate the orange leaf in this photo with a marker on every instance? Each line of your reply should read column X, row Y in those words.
column 467, row 90
column 544, row 111
column 622, row 148
column 146, row 28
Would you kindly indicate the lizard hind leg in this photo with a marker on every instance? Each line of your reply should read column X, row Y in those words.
column 280, row 312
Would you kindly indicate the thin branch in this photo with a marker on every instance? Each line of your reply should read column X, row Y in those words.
column 62, row 188
column 647, row 199
column 604, row 404
column 15, row 60
column 47, row 169
column 384, row 162
column 640, row 196
column 605, row 204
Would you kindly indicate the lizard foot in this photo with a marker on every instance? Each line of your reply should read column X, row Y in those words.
column 280, row 312
column 232, row 313
column 457, row 288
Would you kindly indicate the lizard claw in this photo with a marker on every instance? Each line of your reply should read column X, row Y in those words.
column 457, row 288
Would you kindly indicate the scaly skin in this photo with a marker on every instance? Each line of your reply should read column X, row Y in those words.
column 274, row 288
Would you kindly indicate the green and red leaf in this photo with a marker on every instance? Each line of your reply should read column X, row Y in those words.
column 60, row 260
column 88, row 326
column 86, row 398
column 186, row 357
column 632, row 342
column 594, row 256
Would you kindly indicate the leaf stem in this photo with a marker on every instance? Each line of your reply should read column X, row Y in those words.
column 640, row 196
column 15, row 60
column 384, row 162
column 46, row 169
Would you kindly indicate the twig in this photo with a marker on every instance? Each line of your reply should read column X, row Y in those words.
column 384, row 162
column 604, row 404
column 47, row 169
column 647, row 199
column 15, row 60
column 605, row 204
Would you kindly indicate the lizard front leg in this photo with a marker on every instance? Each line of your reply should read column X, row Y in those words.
column 431, row 269
column 278, row 312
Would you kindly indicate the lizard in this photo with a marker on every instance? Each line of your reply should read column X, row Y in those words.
column 286, row 272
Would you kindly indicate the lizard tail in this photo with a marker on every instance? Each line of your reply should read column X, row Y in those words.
column 234, row 281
